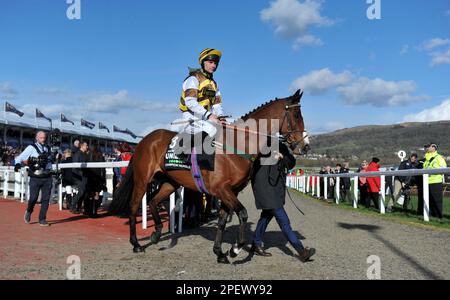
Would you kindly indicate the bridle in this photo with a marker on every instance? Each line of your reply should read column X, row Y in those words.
column 287, row 136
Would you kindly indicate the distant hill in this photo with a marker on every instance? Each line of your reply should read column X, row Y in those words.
column 383, row 141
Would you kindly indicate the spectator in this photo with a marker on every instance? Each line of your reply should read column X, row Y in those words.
column 80, row 179
column 76, row 146
column 125, row 155
column 117, row 177
column 433, row 160
column 363, row 185
column 403, row 182
column 330, row 183
column 96, row 183
column 345, row 184
column 373, row 183
column 67, row 181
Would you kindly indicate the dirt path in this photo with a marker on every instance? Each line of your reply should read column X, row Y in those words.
column 343, row 239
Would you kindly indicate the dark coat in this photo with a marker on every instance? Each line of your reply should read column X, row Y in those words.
column 269, row 181
column 67, row 173
column 345, row 181
column 80, row 157
column 96, row 177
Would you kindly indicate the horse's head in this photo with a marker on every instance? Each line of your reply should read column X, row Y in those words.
column 292, row 127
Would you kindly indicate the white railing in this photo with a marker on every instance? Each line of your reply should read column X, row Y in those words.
column 311, row 183
column 18, row 184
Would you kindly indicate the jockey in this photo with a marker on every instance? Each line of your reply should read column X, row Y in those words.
column 201, row 100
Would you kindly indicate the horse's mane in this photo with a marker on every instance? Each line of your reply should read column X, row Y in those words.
column 294, row 99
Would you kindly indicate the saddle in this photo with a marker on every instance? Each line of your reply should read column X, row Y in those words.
column 178, row 158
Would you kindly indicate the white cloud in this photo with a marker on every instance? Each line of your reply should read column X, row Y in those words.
column 294, row 19
column 440, row 58
column 113, row 103
column 56, row 92
column 6, row 88
column 404, row 50
column 437, row 113
column 380, row 93
column 320, row 81
column 435, row 43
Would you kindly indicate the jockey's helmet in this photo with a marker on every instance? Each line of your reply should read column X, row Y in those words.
column 210, row 54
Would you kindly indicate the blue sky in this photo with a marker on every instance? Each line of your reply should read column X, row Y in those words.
column 123, row 62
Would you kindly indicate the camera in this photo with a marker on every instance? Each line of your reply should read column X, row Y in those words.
column 55, row 140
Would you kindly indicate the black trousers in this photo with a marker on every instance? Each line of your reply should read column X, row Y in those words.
column 43, row 185
column 436, row 200
column 375, row 197
column 82, row 194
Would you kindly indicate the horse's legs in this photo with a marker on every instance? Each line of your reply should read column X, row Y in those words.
column 230, row 199
column 164, row 192
column 138, row 193
column 243, row 217
column 223, row 215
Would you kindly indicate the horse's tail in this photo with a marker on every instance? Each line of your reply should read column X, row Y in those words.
column 120, row 204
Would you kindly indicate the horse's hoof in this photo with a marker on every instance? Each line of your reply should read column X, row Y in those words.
column 223, row 260
column 138, row 249
column 154, row 238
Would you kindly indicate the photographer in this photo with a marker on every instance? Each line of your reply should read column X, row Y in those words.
column 38, row 157
column 402, row 184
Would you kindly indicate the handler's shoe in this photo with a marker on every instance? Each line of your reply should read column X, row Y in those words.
column 305, row 254
column 43, row 223
column 27, row 217
column 258, row 250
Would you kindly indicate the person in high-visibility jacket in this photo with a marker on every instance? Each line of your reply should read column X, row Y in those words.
column 433, row 160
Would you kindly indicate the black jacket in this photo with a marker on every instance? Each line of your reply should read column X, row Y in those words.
column 80, row 157
column 345, row 181
column 406, row 165
column 269, row 181
column 67, row 173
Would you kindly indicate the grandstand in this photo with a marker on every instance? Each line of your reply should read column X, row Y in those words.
column 20, row 134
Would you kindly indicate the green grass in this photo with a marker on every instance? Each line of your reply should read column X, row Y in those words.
column 409, row 217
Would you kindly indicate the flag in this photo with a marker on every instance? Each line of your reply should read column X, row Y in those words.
column 103, row 126
column 39, row 114
column 125, row 131
column 11, row 108
column 117, row 129
column 64, row 119
column 131, row 133
column 87, row 124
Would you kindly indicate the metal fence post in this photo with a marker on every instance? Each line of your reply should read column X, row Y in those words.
column 5, row 183
column 426, row 198
column 325, row 188
column 180, row 211
column 355, row 192
column 307, row 184
column 383, row 193
column 313, row 184
column 318, row 187
column 172, row 213
column 144, row 211
column 338, row 182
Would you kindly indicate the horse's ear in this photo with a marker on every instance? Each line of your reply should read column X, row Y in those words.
column 297, row 96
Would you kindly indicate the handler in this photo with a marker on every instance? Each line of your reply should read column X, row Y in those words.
column 269, row 189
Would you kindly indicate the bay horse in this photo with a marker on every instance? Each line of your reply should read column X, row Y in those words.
column 230, row 176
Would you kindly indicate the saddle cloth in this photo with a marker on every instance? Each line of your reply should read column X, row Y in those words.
column 174, row 162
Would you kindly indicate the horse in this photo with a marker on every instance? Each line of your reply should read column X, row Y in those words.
column 230, row 176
